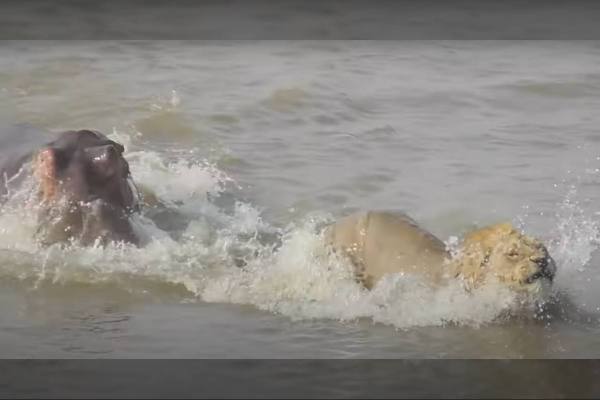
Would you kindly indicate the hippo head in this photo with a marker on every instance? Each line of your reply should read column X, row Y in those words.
column 85, row 189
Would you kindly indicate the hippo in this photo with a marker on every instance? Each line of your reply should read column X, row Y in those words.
column 85, row 192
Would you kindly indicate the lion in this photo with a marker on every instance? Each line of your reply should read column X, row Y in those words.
column 378, row 243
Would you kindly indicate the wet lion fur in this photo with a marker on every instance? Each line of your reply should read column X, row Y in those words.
column 378, row 243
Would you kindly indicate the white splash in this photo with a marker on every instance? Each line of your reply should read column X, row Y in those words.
column 236, row 257
column 170, row 103
column 175, row 99
column 578, row 235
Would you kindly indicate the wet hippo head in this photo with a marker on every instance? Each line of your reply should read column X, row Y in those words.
column 85, row 190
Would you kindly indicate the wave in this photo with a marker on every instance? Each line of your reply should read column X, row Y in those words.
column 203, row 249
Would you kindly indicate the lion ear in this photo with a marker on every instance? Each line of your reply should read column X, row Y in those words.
column 44, row 170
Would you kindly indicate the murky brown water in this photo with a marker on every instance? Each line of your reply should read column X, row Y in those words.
column 276, row 138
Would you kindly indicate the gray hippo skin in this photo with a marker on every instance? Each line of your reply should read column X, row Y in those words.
column 85, row 188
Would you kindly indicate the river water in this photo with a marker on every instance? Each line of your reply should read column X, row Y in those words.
column 256, row 145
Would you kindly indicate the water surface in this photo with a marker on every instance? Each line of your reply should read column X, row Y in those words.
column 256, row 145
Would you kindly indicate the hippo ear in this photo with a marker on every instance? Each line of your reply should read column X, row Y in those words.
column 44, row 169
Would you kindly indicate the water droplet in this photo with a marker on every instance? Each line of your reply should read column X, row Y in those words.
column 175, row 99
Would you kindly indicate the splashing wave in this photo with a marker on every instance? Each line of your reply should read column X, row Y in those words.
column 214, row 254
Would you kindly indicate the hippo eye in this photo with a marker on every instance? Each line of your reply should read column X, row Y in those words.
column 104, row 159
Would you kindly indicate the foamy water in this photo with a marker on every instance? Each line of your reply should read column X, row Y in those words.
column 253, row 150
column 293, row 275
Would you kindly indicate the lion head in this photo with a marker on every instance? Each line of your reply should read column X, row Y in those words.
column 500, row 251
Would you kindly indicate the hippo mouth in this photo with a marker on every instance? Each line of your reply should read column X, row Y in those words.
column 104, row 222
column 86, row 223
